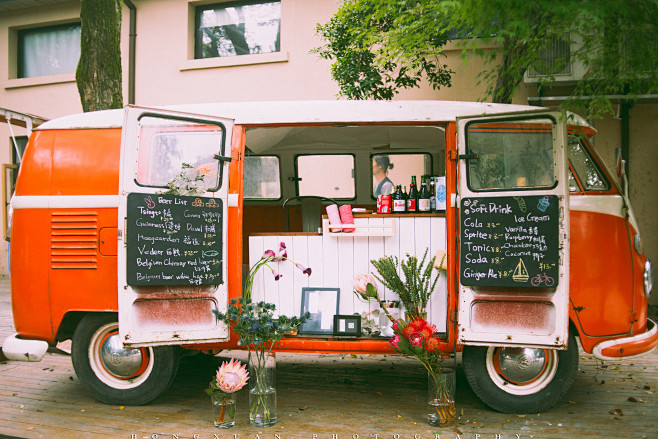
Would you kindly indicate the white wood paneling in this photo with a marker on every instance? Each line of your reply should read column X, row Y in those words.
column 335, row 258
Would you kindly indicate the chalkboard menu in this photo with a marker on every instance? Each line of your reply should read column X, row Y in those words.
column 510, row 241
column 174, row 240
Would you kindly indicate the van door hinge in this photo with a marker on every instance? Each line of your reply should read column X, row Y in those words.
column 452, row 154
column 633, row 317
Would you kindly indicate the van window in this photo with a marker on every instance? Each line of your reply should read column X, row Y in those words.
column 262, row 180
column 510, row 155
column 315, row 178
column 390, row 170
column 171, row 149
column 587, row 171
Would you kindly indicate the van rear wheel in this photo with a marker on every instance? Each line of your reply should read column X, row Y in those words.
column 117, row 375
column 520, row 380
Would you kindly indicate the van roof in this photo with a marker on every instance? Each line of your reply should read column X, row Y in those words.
column 293, row 112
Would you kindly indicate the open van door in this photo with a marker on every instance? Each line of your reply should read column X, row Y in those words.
column 513, row 230
column 172, row 246
column 513, row 210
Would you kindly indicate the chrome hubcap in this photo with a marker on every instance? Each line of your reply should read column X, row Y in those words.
column 119, row 361
column 521, row 365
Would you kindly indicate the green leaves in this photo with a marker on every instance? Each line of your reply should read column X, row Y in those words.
column 380, row 46
column 417, row 286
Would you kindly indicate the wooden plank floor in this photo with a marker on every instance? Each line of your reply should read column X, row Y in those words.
column 331, row 396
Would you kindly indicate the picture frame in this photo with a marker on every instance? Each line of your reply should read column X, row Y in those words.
column 322, row 304
column 347, row 325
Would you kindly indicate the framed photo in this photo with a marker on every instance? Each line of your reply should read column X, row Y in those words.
column 347, row 325
column 322, row 304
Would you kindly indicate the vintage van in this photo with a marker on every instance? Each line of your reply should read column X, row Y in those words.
column 542, row 245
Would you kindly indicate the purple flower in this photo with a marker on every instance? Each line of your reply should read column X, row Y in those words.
column 281, row 258
column 268, row 254
column 304, row 269
column 277, row 275
column 394, row 341
column 282, row 246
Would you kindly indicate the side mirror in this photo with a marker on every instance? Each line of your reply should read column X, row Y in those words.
column 621, row 171
column 620, row 163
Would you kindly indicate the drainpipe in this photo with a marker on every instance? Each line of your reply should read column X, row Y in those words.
column 132, row 36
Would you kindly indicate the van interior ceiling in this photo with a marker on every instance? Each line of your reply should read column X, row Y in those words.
column 273, row 172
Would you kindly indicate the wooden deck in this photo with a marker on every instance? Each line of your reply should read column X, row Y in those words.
column 331, row 396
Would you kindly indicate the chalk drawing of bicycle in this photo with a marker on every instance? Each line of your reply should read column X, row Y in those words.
column 537, row 280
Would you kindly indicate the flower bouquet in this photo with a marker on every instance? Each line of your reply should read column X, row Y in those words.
column 259, row 330
column 231, row 377
column 417, row 339
column 417, row 286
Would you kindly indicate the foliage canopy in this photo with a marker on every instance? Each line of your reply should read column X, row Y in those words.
column 381, row 46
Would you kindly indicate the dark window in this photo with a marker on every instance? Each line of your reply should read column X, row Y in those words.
column 237, row 28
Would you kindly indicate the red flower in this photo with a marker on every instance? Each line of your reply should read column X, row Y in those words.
column 418, row 324
column 408, row 330
column 432, row 344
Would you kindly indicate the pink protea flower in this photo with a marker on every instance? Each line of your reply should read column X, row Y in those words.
column 360, row 282
column 416, row 339
column 394, row 341
column 232, row 376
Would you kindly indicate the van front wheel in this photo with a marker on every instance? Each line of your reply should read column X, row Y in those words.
column 520, row 380
column 117, row 375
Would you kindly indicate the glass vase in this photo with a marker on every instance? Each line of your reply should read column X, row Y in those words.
column 441, row 386
column 262, row 390
column 385, row 324
column 223, row 410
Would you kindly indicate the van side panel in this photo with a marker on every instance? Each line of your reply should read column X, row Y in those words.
column 64, row 258
column 30, row 246
column 601, row 274
column 86, row 162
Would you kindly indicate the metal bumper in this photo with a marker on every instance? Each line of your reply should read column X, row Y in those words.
column 629, row 347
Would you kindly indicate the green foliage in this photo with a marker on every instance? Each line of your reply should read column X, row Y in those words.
column 417, row 286
column 379, row 47
column 255, row 322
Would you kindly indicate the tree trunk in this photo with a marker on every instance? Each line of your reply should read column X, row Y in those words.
column 511, row 71
column 99, row 70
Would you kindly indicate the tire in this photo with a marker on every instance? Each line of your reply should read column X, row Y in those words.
column 518, row 380
column 132, row 377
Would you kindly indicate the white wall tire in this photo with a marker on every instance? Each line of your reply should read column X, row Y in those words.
column 518, row 380
column 114, row 375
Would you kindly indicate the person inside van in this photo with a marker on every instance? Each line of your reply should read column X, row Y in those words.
column 380, row 166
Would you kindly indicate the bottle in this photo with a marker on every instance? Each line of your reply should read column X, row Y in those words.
column 432, row 195
column 398, row 200
column 423, row 195
column 412, row 199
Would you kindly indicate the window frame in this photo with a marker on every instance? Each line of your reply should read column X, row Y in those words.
column 354, row 170
column 584, row 145
column 220, row 152
column 372, row 188
column 198, row 11
column 517, row 188
column 20, row 47
column 280, row 178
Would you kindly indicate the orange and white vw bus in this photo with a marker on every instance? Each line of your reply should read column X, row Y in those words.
column 542, row 246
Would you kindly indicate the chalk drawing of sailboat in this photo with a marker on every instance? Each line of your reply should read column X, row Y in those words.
column 520, row 272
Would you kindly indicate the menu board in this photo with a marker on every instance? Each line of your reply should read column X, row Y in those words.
column 174, row 240
column 510, row 241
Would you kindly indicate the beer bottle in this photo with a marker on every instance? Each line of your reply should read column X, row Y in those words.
column 397, row 200
column 432, row 195
column 412, row 200
column 424, row 195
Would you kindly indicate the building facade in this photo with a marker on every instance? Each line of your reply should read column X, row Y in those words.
column 180, row 51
